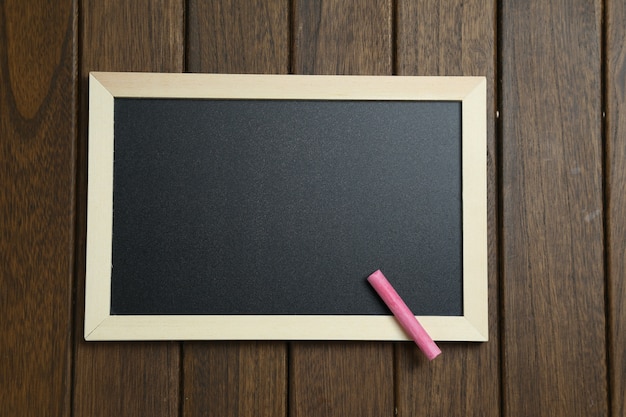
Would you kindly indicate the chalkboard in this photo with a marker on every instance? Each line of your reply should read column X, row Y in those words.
column 264, row 202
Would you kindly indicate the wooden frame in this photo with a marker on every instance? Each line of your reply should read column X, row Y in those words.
column 106, row 87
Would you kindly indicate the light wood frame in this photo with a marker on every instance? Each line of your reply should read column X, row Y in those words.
column 105, row 87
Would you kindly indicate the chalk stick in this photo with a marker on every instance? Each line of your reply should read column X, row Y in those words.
column 404, row 315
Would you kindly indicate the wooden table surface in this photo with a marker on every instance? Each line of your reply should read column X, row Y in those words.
column 556, row 74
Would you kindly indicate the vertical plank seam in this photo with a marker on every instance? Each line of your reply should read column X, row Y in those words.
column 288, row 378
column 606, row 198
column 78, row 164
column 291, row 36
column 185, row 32
column 499, row 139
column 80, row 199
column 394, row 380
column 394, row 37
column 79, row 217
column 181, row 378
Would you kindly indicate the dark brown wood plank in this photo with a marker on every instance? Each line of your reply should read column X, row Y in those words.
column 341, row 379
column 616, row 189
column 453, row 38
column 37, row 171
column 237, row 378
column 335, row 378
column 343, row 37
column 553, row 298
column 115, row 379
column 127, row 379
column 250, row 36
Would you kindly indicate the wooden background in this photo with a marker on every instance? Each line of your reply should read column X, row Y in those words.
column 556, row 75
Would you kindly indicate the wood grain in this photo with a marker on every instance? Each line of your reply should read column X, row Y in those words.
column 250, row 36
column 37, row 171
column 342, row 37
column 454, row 38
column 342, row 379
column 553, row 298
column 236, row 378
column 114, row 379
column 616, row 191
column 127, row 379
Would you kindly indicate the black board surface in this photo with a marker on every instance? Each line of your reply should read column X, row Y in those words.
column 285, row 206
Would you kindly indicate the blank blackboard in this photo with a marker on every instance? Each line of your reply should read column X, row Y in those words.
column 284, row 207
column 236, row 205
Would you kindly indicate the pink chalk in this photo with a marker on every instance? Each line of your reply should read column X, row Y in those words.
column 404, row 315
